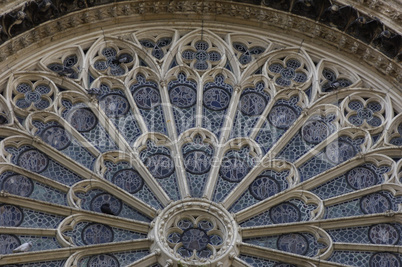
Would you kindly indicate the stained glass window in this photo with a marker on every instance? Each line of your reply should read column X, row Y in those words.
column 201, row 147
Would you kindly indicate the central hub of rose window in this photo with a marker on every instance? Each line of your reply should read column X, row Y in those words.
column 195, row 232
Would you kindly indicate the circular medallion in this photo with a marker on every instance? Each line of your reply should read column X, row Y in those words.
column 97, row 233
column 196, row 230
column 183, row 96
column 284, row 213
column 8, row 243
column 282, row 116
column 293, row 243
column 114, row 105
column 33, row 160
column 147, row 97
column 264, row 187
column 103, row 260
column 375, row 203
column 197, row 162
column 216, row 99
column 339, row 151
column 233, row 169
column 252, row 104
column 160, row 165
column 129, row 180
column 384, row 259
column 194, row 239
column 315, row 131
column 10, row 215
column 82, row 119
column 361, row 177
column 383, row 234
column 115, row 204
column 57, row 137
column 18, row 185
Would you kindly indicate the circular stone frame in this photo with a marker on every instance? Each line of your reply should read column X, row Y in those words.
column 199, row 207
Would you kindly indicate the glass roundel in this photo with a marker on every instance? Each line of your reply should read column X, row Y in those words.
column 57, row 137
column 18, row 185
column 218, row 149
column 282, row 116
column 252, row 104
column 114, row 105
column 216, row 99
column 183, row 96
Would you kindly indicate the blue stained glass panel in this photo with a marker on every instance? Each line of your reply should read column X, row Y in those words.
column 342, row 184
column 279, row 119
column 234, row 167
column 73, row 150
column 183, row 97
column 130, row 181
column 161, row 165
column 216, row 100
column 248, row 199
column 147, row 98
column 94, row 199
column 253, row 102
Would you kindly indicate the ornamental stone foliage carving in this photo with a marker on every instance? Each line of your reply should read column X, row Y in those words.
column 197, row 146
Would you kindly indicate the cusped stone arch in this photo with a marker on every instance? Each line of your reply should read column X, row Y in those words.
column 313, row 127
column 94, row 230
column 160, row 156
column 266, row 179
column 128, row 172
column 100, row 196
column 319, row 243
column 295, row 206
column 281, row 113
column 184, row 91
column 234, row 161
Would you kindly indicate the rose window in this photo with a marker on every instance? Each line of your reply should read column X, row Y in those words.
column 155, row 147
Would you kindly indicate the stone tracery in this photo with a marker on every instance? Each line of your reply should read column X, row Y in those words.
column 163, row 161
